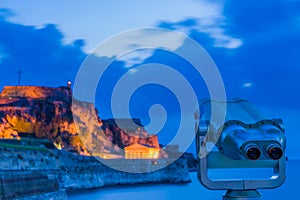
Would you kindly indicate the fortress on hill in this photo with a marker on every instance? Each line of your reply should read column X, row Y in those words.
column 35, row 92
column 47, row 113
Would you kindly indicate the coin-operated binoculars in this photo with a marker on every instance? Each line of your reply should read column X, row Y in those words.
column 246, row 139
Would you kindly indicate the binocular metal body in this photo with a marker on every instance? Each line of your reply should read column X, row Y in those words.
column 246, row 132
column 245, row 138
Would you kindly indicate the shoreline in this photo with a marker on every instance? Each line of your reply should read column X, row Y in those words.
column 27, row 173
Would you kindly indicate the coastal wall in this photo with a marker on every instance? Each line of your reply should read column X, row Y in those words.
column 88, row 172
column 32, row 173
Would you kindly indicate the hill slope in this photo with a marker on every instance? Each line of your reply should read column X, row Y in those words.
column 44, row 112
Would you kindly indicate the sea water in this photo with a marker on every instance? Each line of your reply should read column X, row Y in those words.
column 190, row 191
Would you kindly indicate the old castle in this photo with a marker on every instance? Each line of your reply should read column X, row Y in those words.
column 48, row 113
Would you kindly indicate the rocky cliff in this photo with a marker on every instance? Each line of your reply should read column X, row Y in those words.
column 44, row 112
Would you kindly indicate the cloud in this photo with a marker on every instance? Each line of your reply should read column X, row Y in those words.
column 215, row 31
column 39, row 52
column 4, row 13
column 246, row 85
column 211, row 21
column 132, row 40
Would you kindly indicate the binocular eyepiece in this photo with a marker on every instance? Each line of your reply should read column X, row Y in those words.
column 275, row 152
column 252, row 152
column 246, row 133
column 260, row 141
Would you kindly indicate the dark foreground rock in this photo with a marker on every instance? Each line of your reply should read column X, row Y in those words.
column 192, row 162
column 58, row 195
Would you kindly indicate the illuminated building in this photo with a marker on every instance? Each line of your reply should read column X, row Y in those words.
column 138, row 151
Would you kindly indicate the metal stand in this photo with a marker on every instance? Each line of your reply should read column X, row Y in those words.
column 242, row 195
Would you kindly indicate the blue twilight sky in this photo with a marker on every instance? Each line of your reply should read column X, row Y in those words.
column 255, row 44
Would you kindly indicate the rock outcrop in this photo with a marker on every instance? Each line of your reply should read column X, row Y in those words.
column 16, row 184
column 44, row 112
